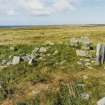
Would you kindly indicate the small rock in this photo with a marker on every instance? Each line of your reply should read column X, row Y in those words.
column 3, row 62
column 32, row 62
column 85, row 96
column 35, row 52
column 55, row 52
column 62, row 62
column 12, row 48
column 87, row 60
column 49, row 43
column 9, row 63
column 26, row 58
column 2, row 67
column 74, row 42
column 80, row 62
column 85, row 77
column 101, row 101
column 93, row 61
column 87, row 64
column 36, row 49
column 42, row 50
column 81, row 85
column 85, row 41
column 16, row 60
column 89, row 67
column 82, row 53
column 48, row 55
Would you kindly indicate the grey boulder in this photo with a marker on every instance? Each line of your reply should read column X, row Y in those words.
column 101, row 101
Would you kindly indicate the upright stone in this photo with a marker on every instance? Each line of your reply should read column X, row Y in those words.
column 102, row 54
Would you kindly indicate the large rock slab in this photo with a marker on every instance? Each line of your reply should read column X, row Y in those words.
column 101, row 101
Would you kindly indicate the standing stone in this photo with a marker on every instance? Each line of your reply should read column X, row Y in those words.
column 16, row 60
column 98, row 54
column 102, row 54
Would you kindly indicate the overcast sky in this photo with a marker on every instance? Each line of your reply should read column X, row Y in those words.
column 45, row 12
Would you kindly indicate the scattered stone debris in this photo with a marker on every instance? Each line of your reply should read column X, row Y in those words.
column 83, row 42
column 81, row 45
column 101, row 101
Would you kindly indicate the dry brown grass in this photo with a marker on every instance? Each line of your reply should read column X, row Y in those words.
column 34, row 35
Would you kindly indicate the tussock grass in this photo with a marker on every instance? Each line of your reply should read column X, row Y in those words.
column 45, row 79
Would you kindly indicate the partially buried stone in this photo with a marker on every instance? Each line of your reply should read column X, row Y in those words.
column 85, row 96
column 82, row 53
column 16, row 60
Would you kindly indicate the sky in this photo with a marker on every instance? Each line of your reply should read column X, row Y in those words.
column 51, row 12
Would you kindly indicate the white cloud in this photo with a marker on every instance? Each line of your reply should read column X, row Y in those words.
column 35, row 7
column 62, row 5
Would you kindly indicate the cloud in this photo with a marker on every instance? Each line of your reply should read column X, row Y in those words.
column 35, row 7
column 62, row 5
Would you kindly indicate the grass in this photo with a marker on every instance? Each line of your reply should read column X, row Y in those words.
column 58, row 34
column 27, row 85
